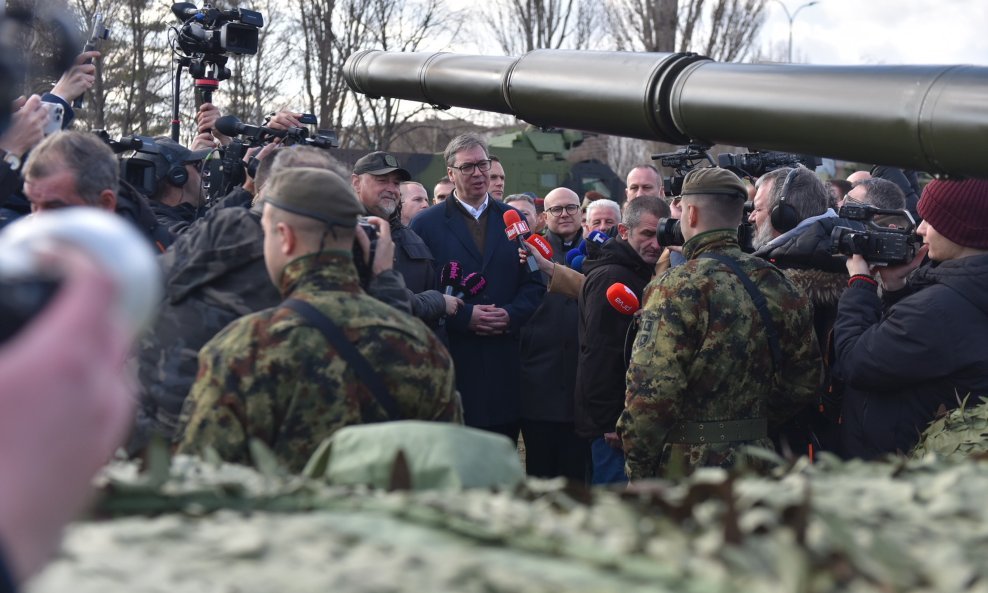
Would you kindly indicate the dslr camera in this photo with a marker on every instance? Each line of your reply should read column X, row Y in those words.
column 880, row 245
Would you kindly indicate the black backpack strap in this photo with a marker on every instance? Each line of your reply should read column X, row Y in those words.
column 353, row 357
column 760, row 303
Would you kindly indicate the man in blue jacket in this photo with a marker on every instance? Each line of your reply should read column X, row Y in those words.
column 928, row 349
column 468, row 228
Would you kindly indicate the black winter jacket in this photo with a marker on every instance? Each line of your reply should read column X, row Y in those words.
column 929, row 349
column 600, row 376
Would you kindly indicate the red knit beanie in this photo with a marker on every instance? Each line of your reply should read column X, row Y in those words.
column 958, row 210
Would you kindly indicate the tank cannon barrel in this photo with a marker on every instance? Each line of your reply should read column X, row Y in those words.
column 928, row 118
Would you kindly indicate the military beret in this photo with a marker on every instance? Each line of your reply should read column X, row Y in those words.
column 379, row 163
column 714, row 181
column 314, row 193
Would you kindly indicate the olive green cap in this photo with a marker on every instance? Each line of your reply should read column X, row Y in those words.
column 714, row 181
column 314, row 193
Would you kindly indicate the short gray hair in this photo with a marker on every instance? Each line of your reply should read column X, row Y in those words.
column 604, row 203
column 644, row 205
column 463, row 142
column 883, row 193
column 91, row 162
column 807, row 194
column 519, row 198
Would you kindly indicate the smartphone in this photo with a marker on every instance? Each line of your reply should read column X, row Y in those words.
column 55, row 114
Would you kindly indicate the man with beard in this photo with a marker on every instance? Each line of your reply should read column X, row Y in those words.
column 793, row 225
column 376, row 179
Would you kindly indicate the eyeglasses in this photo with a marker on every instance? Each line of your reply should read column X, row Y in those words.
column 468, row 168
column 558, row 210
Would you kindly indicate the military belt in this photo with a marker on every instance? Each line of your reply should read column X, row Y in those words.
column 718, row 431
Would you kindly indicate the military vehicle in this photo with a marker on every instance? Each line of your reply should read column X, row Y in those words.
column 924, row 118
column 535, row 160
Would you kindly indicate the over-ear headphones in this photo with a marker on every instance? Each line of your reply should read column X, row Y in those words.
column 177, row 174
column 784, row 216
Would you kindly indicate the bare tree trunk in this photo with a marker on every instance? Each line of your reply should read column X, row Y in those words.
column 524, row 25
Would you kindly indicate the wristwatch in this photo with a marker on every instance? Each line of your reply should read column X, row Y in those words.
column 11, row 159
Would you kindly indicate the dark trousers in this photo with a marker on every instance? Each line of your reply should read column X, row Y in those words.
column 553, row 449
column 509, row 430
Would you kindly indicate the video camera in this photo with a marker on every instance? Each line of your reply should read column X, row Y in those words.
column 758, row 163
column 670, row 231
column 230, row 126
column 213, row 32
column 682, row 162
column 879, row 245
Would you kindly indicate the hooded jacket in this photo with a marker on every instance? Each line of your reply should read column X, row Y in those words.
column 600, row 376
column 925, row 353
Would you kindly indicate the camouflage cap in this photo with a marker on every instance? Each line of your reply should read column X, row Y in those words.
column 380, row 163
column 314, row 193
column 713, row 181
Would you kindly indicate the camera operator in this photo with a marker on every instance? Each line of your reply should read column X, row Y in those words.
column 78, row 169
column 176, row 197
column 926, row 349
column 793, row 226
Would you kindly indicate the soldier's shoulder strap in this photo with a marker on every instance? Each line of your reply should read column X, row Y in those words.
column 334, row 335
column 758, row 297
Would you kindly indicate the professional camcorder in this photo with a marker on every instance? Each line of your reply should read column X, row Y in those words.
column 682, row 162
column 758, row 163
column 878, row 244
column 211, row 31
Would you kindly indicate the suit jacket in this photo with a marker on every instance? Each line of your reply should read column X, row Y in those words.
column 488, row 368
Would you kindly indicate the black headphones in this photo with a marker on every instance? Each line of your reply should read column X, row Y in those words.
column 177, row 174
column 784, row 217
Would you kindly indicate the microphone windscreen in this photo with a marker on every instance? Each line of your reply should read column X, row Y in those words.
column 228, row 125
column 511, row 218
column 571, row 254
column 474, row 284
column 578, row 262
column 541, row 244
column 598, row 237
column 622, row 298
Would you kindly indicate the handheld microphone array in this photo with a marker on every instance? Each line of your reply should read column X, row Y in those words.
column 588, row 247
column 517, row 230
column 622, row 299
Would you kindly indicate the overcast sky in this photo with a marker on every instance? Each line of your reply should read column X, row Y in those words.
column 882, row 31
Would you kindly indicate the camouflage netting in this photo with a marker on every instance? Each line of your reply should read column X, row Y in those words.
column 918, row 525
column 961, row 433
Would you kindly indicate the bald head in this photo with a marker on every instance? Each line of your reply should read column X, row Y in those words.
column 858, row 177
column 562, row 209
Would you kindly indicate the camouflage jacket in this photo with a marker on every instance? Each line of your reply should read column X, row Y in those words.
column 702, row 354
column 272, row 377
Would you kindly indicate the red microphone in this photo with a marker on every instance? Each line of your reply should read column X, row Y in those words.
column 622, row 298
column 517, row 230
column 541, row 244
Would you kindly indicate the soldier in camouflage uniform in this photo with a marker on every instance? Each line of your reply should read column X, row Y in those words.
column 272, row 376
column 703, row 378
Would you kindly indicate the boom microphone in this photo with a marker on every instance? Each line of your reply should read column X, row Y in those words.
column 472, row 285
column 622, row 298
column 517, row 230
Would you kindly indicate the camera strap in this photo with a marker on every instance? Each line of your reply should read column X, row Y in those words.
column 760, row 303
column 334, row 335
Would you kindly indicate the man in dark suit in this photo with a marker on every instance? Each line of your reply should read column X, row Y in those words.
column 468, row 227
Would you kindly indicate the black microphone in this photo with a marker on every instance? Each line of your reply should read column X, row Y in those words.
column 230, row 125
column 450, row 276
column 472, row 285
